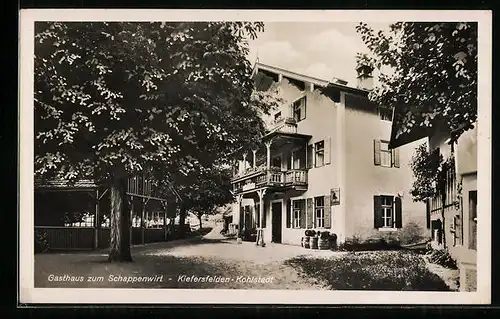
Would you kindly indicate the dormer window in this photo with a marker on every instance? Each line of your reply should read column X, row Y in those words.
column 299, row 109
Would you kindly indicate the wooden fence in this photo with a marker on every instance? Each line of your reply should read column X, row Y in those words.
column 83, row 238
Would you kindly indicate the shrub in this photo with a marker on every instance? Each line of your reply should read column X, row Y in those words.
column 389, row 270
column 442, row 257
column 41, row 242
column 411, row 233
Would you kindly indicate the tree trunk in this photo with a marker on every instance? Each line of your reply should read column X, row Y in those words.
column 182, row 221
column 199, row 217
column 119, row 246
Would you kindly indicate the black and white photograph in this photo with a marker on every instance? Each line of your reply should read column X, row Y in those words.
column 221, row 156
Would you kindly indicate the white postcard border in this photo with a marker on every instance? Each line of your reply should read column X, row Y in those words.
column 29, row 294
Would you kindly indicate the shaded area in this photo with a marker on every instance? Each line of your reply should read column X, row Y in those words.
column 382, row 270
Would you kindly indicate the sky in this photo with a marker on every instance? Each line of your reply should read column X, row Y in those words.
column 319, row 49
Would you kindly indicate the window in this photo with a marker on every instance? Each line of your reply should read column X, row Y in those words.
column 383, row 156
column 298, row 212
column 473, row 220
column 319, row 212
column 385, row 113
column 299, row 109
column 319, row 150
column 388, row 212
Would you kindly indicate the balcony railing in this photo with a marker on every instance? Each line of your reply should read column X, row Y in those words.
column 273, row 177
column 284, row 124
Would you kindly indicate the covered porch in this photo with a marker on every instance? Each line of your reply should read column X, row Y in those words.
column 76, row 216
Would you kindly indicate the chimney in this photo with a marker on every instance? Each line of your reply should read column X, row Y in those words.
column 365, row 77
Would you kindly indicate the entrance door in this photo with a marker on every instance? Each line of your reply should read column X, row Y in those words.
column 276, row 222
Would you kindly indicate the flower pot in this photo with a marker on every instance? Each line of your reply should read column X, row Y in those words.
column 314, row 243
column 307, row 241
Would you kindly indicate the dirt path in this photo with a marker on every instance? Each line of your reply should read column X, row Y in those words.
column 194, row 263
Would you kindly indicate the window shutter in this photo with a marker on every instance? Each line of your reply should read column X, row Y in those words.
column 310, row 212
column 399, row 212
column 377, row 208
column 376, row 152
column 310, row 156
column 328, row 209
column 327, row 151
column 395, row 157
column 303, row 108
column 303, row 216
column 288, row 213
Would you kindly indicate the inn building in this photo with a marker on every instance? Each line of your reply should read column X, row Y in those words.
column 324, row 164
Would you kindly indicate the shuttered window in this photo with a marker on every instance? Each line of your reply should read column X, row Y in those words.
column 299, row 213
column 387, row 212
column 319, row 212
column 383, row 156
column 299, row 109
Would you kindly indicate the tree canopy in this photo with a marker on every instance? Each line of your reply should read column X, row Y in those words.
column 126, row 96
column 428, row 70
column 168, row 100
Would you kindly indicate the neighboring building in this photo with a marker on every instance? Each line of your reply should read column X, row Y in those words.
column 325, row 164
column 460, row 209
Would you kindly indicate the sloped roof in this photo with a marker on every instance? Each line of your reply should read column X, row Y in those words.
column 416, row 133
column 61, row 183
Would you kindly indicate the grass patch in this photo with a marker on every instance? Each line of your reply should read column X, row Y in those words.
column 381, row 270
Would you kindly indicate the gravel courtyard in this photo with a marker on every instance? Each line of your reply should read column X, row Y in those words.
column 208, row 262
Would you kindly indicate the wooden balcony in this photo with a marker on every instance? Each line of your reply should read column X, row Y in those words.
column 270, row 178
column 283, row 125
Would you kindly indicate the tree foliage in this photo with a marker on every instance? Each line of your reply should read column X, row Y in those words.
column 166, row 99
column 426, row 167
column 130, row 96
column 429, row 69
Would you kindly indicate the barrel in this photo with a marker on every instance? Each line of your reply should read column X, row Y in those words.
column 314, row 243
column 307, row 241
column 324, row 243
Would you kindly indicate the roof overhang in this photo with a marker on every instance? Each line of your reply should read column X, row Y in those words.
column 416, row 133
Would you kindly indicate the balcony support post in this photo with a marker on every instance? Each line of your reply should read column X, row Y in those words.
column 268, row 165
column 239, row 198
column 254, row 158
column 260, row 230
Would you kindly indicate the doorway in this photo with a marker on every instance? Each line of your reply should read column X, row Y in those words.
column 276, row 211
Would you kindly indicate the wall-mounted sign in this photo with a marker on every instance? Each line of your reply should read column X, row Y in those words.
column 335, row 196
